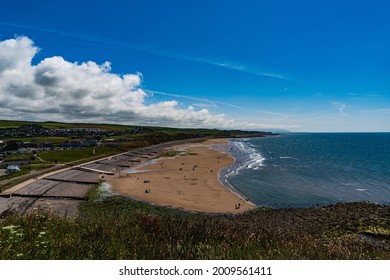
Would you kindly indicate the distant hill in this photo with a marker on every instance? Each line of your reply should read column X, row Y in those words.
column 108, row 126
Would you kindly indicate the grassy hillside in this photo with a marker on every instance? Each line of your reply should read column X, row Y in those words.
column 52, row 125
column 166, row 130
column 119, row 228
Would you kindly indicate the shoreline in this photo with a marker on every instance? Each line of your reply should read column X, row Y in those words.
column 184, row 180
column 223, row 179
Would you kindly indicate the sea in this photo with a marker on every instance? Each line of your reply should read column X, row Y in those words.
column 310, row 169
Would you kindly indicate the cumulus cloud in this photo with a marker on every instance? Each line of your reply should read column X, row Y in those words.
column 62, row 90
column 59, row 90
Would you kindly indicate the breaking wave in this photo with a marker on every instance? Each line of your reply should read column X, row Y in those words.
column 246, row 157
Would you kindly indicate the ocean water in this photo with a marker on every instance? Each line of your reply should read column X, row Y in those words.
column 316, row 169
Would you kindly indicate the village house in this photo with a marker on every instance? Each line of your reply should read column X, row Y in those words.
column 12, row 169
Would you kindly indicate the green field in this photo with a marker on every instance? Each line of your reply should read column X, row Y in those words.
column 54, row 140
column 71, row 155
column 51, row 125
column 24, row 170
column 116, row 127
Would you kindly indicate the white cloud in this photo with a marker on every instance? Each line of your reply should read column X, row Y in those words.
column 340, row 107
column 236, row 67
column 371, row 94
column 59, row 90
column 56, row 88
column 207, row 102
column 272, row 113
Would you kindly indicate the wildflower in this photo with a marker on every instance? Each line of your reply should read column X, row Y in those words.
column 10, row 228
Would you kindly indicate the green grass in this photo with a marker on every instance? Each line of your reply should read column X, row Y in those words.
column 174, row 153
column 20, row 177
column 25, row 156
column 23, row 170
column 66, row 156
column 41, row 166
column 119, row 228
column 50, row 125
column 13, row 124
column 72, row 156
column 23, row 175
column 54, row 140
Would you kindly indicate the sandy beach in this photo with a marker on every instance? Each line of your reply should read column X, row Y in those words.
column 186, row 179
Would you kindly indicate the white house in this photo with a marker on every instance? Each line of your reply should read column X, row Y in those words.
column 12, row 169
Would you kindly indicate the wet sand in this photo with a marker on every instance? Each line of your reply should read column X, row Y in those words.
column 188, row 180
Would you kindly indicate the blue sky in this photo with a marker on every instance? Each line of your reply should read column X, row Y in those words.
column 295, row 65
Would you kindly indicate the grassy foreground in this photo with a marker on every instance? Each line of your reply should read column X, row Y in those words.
column 119, row 228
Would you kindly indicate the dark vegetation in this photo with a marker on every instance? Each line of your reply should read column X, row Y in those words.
column 120, row 228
